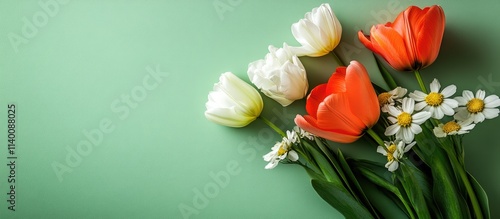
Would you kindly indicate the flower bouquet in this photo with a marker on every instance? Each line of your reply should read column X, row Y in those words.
column 427, row 124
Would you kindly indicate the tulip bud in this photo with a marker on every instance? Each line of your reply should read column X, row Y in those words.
column 233, row 102
column 319, row 32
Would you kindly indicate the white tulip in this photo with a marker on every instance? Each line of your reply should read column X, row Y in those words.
column 280, row 76
column 233, row 102
column 318, row 33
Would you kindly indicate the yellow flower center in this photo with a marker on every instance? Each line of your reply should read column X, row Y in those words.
column 390, row 152
column 475, row 105
column 383, row 98
column 434, row 99
column 281, row 151
column 404, row 119
column 450, row 127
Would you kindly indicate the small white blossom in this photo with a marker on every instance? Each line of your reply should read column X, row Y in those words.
column 405, row 124
column 394, row 152
column 453, row 128
column 389, row 98
column 303, row 133
column 478, row 108
column 282, row 150
column 437, row 103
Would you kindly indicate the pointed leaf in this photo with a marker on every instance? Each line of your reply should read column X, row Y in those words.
column 338, row 197
column 481, row 196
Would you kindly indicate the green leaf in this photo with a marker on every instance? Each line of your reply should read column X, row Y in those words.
column 339, row 198
column 385, row 74
column 323, row 164
column 414, row 190
column 481, row 196
column 354, row 181
column 336, row 165
column 369, row 172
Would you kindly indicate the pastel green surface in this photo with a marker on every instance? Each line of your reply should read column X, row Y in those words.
column 132, row 78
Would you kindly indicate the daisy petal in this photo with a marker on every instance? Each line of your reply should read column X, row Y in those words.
column 293, row 156
column 381, row 150
column 461, row 101
column 479, row 117
column 393, row 166
column 468, row 95
column 447, row 110
column 418, row 95
column 435, row 86
column 391, row 130
column 480, row 94
column 451, row 103
column 421, row 117
column 490, row 113
column 492, row 101
column 448, row 91
column 415, row 128
column 419, row 106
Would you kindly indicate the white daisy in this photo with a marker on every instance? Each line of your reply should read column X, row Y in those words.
column 453, row 128
column 405, row 125
column 282, row 150
column 477, row 107
column 387, row 99
column 438, row 104
column 394, row 152
column 303, row 133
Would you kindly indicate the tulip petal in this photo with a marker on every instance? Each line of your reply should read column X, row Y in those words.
column 362, row 98
column 309, row 124
column 335, row 114
column 428, row 26
column 391, row 46
column 336, row 83
column 317, row 95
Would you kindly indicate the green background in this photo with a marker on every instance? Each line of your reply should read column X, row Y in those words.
column 77, row 69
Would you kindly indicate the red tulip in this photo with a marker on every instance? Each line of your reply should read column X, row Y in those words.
column 412, row 42
column 342, row 109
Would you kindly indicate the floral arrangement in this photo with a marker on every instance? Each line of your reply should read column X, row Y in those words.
column 429, row 123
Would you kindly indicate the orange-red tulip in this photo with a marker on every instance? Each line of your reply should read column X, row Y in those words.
column 342, row 109
column 412, row 42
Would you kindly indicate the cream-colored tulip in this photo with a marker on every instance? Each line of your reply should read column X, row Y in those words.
column 280, row 76
column 233, row 102
column 319, row 32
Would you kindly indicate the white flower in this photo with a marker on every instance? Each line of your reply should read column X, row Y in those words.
column 438, row 104
column 404, row 124
column 394, row 152
column 477, row 108
column 282, row 150
column 387, row 99
column 233, row 102
column 303, row 133
column 319, row 32
column 453, row 128
column 280, row 76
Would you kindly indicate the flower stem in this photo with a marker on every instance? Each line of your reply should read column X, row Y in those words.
column 337, row 59
column 273, row 126
column 375, row 137
column 385, row 74
column 420, row 81
column 465, row 180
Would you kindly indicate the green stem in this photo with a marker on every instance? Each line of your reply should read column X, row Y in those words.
column 273, row 126
column 375, row 137
column 385, row 74
column 420, row 81
column 337, row 59
column 465, row 180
